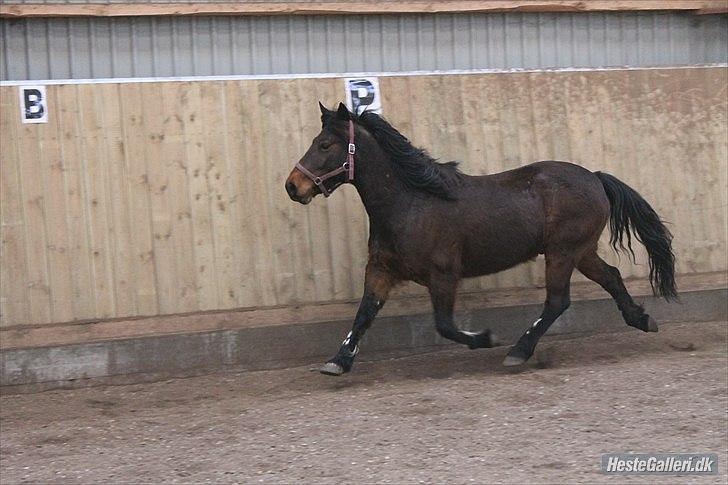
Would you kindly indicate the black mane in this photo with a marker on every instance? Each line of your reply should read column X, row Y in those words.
column 414, row 166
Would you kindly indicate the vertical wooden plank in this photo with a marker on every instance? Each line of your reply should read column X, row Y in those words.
column 30, row 168
column 577, row 121
column 135, row 138
column 118, row 202
column 199, row 172
column 52, row 173
column 214, row 106
column 704, row 111
column 541, row 93
column 458, row 148
column 256, row 212
column 175, row 161
column 14, row 278
column 557, row 100
column 97, row 201
column 397, row 108
column 163, row 146
column 717, row 101
column 76, row 216
column 297, row 225
column 241, row 271
column 271, row 149
column 248, row 291
column 473, row 160
column 584, row 116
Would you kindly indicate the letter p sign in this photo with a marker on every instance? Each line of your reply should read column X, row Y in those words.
column 363, row 94
column 33, row 105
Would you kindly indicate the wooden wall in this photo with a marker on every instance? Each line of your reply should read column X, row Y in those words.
column 158, row 198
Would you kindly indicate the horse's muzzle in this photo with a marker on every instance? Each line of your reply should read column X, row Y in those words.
column 291, row 189
column 300, row 188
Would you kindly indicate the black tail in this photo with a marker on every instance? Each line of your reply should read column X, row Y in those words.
column 632, row 214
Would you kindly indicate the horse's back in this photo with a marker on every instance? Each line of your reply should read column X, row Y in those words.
column 556, row 183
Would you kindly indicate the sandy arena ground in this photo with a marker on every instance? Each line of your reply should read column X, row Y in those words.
column 454, row 416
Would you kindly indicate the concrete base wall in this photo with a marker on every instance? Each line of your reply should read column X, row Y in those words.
column 265, row 347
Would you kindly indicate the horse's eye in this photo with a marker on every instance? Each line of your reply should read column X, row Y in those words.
column 325, row 145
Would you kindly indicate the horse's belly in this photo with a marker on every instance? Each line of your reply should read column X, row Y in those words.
column 489, row 252
column 489, row 263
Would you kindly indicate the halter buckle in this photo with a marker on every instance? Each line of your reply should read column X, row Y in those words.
column 352, row 148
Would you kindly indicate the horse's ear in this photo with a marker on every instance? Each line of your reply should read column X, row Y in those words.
column 324, row 110
column 326, row 114
column 343, row 112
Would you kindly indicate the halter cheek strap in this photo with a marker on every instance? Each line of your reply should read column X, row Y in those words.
column 347, row 166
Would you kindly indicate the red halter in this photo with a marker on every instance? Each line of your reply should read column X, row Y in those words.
column 347, row 166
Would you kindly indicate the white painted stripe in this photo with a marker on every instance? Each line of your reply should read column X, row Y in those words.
column 329, row 75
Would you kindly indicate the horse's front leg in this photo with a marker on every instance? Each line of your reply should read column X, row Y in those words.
column 442, row 292
column 377, row 284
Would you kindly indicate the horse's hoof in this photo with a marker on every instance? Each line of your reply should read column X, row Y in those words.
column 512, row 361
column 647, row 323
column 331, row 369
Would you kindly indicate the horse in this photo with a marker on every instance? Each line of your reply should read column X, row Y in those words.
column 434, row 225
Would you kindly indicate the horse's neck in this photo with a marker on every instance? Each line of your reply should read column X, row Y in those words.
column 382, row 192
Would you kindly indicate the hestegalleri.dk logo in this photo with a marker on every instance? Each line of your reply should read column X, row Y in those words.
column 660, row 463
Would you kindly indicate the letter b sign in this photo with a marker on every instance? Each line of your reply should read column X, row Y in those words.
column 33, row 105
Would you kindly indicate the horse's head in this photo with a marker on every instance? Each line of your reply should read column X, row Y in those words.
column 328, row 162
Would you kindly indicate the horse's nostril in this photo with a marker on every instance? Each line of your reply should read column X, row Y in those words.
column 291, row 189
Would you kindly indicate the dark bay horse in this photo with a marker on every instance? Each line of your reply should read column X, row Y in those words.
column 434, row 225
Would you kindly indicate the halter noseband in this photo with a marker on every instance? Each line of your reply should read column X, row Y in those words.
column 347, row 166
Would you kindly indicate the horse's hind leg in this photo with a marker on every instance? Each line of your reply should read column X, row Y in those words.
column 442, row 293
column 608, row 277
column 558, row 276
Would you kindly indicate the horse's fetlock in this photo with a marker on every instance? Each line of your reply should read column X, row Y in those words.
column 634, row 316
column 345, row 357
column 480, row 340
column 565, row 304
